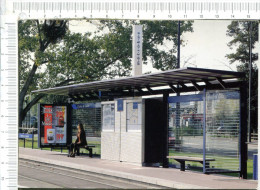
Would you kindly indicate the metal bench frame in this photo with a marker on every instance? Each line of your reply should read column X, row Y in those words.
column 182, row 159
column 87, row 147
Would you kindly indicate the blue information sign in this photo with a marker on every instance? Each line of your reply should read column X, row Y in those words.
column 120, row 105
column 185, row 98
column 86, row 105
column 25, row 136
column 135, row 105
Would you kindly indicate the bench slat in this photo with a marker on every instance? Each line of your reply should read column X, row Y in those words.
column 90, row 146
column 194, row 159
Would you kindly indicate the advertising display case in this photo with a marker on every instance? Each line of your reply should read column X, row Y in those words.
column 53, row 127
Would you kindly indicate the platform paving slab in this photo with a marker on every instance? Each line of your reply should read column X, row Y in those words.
column 168, row 177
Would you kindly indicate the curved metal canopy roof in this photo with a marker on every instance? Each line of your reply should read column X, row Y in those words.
column 145, row 83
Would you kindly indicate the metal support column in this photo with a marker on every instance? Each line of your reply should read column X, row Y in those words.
column 204, row 130
column 32, row 138
column 243, row 131
column 250, row 79
column 39, row 125
column 165, row 124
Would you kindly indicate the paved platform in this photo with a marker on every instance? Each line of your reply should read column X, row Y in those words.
column 168, row 177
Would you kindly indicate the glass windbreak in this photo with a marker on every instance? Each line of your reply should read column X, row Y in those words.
column 89, row 114
column 222, row 130
column 221, row 133
column 185, row 131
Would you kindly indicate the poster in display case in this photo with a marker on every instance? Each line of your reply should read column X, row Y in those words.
column 53, row 125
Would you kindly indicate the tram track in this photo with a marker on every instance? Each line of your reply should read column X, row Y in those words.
column 36, row 180
column 79, row 177
column 70, row 176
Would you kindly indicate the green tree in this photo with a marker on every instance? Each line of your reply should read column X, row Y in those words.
column 50, row 55
column 240, row 32
column 34, row 39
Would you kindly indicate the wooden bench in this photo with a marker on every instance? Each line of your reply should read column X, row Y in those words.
column 87, row 147
column 182, row 159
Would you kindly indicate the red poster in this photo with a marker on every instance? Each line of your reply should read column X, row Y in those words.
column 47, row 121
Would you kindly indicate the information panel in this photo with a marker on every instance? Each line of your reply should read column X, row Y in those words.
column 108, row 117
column 52, row 127
column 134, row 116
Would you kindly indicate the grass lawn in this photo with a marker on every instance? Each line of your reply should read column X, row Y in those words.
column 221, row 162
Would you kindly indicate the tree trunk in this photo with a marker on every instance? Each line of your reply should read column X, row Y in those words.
column 24, row 91
column 23, row 112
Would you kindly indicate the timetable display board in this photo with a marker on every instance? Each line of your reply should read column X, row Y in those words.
column 108, row 117
column 53, row 125
column 134, row 116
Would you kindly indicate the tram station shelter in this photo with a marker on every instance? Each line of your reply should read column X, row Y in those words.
column 144, row 121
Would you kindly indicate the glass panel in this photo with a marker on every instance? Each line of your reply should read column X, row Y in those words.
column 186, row 131
column 89, row 114
column 222, row 129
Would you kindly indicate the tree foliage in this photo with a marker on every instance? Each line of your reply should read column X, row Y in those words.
column 239, row 31
column 159, row 40
column 51, row 55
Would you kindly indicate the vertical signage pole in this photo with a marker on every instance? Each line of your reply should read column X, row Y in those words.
column 137, row 49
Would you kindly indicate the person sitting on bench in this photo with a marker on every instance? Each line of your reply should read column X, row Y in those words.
column 80, row 141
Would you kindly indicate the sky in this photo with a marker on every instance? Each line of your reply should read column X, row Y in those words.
column 208, row 44
column 205, row 47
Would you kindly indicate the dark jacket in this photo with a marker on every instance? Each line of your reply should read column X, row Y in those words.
column 82, row 137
